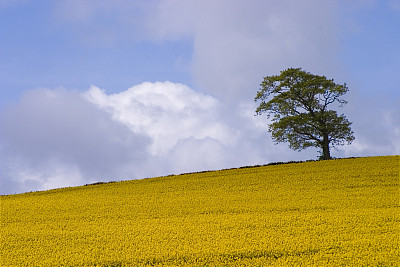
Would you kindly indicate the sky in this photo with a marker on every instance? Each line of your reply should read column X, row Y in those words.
column 96, row 90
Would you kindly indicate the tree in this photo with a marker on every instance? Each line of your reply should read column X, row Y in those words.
column 298, row 101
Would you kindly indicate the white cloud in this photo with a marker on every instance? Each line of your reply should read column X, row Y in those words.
column 236, row 43
column 165, row 111
column 57, row 137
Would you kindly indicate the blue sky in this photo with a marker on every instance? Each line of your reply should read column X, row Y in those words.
column 114, row 90
column 39, row 50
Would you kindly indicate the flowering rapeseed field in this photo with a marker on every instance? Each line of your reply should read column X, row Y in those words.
column 337, row 212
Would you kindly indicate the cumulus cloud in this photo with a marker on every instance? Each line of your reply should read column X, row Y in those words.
column 55, row 138
column 242, row 41
column 167, row 112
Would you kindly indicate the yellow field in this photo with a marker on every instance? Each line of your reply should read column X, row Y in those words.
column 337, row 212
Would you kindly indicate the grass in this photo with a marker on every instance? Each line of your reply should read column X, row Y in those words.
column 336, row 212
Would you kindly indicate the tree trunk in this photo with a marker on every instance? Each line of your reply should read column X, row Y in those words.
column 325, row 148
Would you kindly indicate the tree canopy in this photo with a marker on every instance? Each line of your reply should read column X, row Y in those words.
column 298, row 103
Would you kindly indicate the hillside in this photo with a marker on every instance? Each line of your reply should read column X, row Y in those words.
column 336, row 212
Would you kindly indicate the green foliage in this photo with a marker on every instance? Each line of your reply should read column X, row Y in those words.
column 298, row 103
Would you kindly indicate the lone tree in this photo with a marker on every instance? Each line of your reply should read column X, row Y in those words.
column 298, row 101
